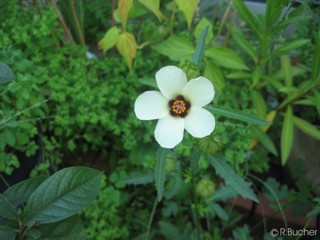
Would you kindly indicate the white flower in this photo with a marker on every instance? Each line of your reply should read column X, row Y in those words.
column 178, row 106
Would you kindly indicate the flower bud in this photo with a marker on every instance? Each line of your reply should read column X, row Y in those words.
column 190, row 69
column 205, row 188
column 211, row 144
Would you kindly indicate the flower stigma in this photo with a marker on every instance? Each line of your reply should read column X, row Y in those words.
column 179, row 106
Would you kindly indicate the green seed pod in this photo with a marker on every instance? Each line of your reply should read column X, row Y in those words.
column 171, row 162
column 205, row 188
column 211, row 144
column 190, row 69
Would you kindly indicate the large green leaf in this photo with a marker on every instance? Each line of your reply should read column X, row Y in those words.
column 287, row 135
column 225, row 57
column 160, row 171
column 247, row 16
column 6, row 74
column 307, row 127
column 68, row 229
column 6, row 209
column 7, row 233
column 176, row 48
column 62, row 195
column 21, row 192
column 236, row 114
column 264, row 139
column 315, row 71
column 231, row 179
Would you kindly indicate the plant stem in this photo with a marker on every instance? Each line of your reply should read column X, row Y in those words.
column 4, row 180
column 76, row 19
column 151, row 217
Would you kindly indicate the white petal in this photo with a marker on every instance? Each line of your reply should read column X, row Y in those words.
column 151, row 105
column 199, row 122
column 169, row 131
column 199, row 91
column 171, row 80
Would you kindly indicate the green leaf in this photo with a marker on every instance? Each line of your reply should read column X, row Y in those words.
column 6, row 73
column 21, row 192
column 259, row 104
column 127, row 47
column 151, row 82
column 274, row 11
column 307, row 127
column 225, row 57
column 200, row 47
column 223, row 194
column 124, row 7
column 264, row 139
column 160, row 171
column 6, row 209
column 238, row 75
column 169, row 231
column 9, row 137
column 33, row 234
column 315, row 70
column 273, row 191
column 200, row 27
column 62, row 195
column 314, row 212
column 175, row 187
column 236, row 114
column 286, row 70
column 188, row 9
column 248, row 17
column 110, row 38
column 218, row 210
column 68, row 229
column 153, row 6
column 176, row 48
column 231, row 178
column 139, row 178
column 287, row 135
column 7, row 233
column 244, row 44
column 215, row 75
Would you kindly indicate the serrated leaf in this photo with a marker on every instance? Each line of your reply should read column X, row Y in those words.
column 307, row 127
column 176, row 48
column 287, row 135
column 202, row 24
column 62, row 195
column 236, row 114
column 315, row 70
column 223, row 194
column 68, row 229
column 273, row 191
column 6, row 209
column 127, row 47
column 286, row 70
column 139, row 178
column 215, row 75
column 6, row 73
column 21, row 192
column 188, row 9
column 154, row 7
column 231, row 179
column 252, row 20
column 110, row 39
column 7, row 233
column 169, row 231
column 160, row 171
column 265, row 140
column 124, row 7
column 218, row 210
column 244, row 44
column 225, row 57
column 200, row 47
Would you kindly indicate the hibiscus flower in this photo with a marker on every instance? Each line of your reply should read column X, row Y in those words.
column 178, row 106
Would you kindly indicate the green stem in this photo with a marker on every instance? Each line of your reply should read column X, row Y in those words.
column 151, row 217
column 76, row 20
column 4, row 180
column 194, row 210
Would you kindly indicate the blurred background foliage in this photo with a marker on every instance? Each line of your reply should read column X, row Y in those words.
column 79, row 66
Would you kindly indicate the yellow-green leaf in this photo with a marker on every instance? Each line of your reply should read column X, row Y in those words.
column 127, row 47
column 153, row 6
column 109, row 39
column 286, row 70
column 259, row 104
column 307, row 127
column 124, row 7
column 215, row 75
column 188, row 8
column 199, row 28
column 287, row 135
column 264, row 139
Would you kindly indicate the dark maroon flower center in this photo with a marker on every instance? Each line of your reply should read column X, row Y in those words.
column 179, row 107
